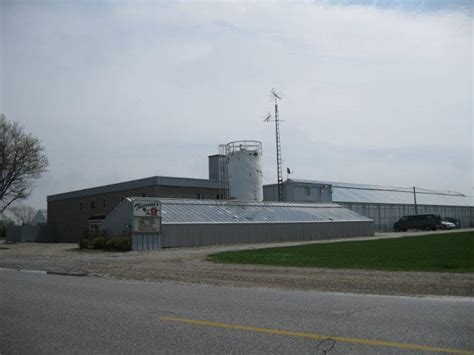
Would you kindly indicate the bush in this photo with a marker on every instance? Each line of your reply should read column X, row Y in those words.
column 112, row 244
column 119, row 244
column 84, row 243
column 125, row 243
column 99, row 243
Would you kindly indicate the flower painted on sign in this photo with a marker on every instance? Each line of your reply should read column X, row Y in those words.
column 152, row 211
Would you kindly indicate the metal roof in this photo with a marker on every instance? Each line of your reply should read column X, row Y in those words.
column 360, row 193
column 137, row 184
column 180, row 211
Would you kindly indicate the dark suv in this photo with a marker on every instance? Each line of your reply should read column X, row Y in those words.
column 420, row 221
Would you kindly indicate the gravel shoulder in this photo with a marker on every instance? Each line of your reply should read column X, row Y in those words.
column 189, row 265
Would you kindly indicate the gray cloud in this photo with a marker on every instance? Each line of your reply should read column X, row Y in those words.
column 117, row 90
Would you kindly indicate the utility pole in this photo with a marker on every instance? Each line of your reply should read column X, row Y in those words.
column 278, row 144
column 2, row 152
column 414, row 197
column 2, row 155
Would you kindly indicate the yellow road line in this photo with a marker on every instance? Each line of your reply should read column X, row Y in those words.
column 316, row 336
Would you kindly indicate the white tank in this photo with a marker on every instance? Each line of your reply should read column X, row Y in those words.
column 245, row 170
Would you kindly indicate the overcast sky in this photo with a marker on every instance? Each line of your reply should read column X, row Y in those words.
column 375, row 92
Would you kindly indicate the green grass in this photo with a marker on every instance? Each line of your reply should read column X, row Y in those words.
column 452, row 252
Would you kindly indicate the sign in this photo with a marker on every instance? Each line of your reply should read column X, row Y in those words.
column 146, row 224
column 147, row 208
column 146, row 217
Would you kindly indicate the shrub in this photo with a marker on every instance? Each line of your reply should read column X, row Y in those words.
column 99, row 243
column 125, row 243
column 84, row 243
column 119, row 244
column 112, row 244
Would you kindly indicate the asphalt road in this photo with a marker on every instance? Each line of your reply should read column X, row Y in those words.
column 42, row 313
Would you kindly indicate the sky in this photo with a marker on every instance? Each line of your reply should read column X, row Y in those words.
column 376, row 92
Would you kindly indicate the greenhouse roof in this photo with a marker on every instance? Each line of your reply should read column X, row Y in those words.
column 219, row 211
column 359, row 193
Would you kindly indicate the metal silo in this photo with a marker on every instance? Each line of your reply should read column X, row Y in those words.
column 245, row 170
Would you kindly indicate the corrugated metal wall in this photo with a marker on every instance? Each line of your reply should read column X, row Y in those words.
column 385, row 215
column 191, row 235
column 145, row 241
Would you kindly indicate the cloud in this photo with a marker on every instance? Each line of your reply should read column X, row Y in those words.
column 117, row 90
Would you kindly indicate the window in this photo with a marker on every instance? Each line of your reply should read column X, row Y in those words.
column 143, row 194
column 307, row 190
column 198, row 196
column 92, row 204
column 81, row 206
column 104, row 203
column 218, row 197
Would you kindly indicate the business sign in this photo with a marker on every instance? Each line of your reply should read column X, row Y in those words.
column 146, row 225
column 146, row 217
column 147, row 209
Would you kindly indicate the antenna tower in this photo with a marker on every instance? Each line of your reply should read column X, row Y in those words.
column 276, row 119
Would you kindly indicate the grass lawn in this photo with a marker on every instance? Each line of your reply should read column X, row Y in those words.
column 451, row 252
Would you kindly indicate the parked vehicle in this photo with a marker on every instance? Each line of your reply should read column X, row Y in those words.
column 447, row 225
column 421, row 221
column 456, row 221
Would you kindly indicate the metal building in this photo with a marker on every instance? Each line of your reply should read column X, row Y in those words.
column 161, row 222
column 72, row 213
column 384, row 204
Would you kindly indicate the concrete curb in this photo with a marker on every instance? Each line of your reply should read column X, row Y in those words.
column 67, row 273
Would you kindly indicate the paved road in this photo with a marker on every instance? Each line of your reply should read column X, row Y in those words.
column 42, row 313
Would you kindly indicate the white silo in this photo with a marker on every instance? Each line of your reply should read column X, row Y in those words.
column 245, row 170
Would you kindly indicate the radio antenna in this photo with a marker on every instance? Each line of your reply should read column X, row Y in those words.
column 276, row 119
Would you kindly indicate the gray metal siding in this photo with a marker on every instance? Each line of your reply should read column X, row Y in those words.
column 138, row 184
column 192, row 235
column 145, row 241
column 118, row 220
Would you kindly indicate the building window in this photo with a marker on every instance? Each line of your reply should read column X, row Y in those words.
column 307, row 191
column 81, row 206
column 92, row 204
column 198, row 196
column 218, row 197
column 143, row 194
column 104, row 203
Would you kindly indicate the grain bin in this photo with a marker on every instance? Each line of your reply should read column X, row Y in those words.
column 245, row 170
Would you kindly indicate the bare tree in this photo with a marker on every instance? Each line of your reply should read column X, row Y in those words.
column 22, row 160
column 22, row 214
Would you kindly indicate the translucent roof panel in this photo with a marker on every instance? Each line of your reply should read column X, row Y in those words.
column 344, row 192
column 214, row 211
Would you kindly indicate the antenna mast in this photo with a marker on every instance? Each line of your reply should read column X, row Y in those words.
column 278, row 143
